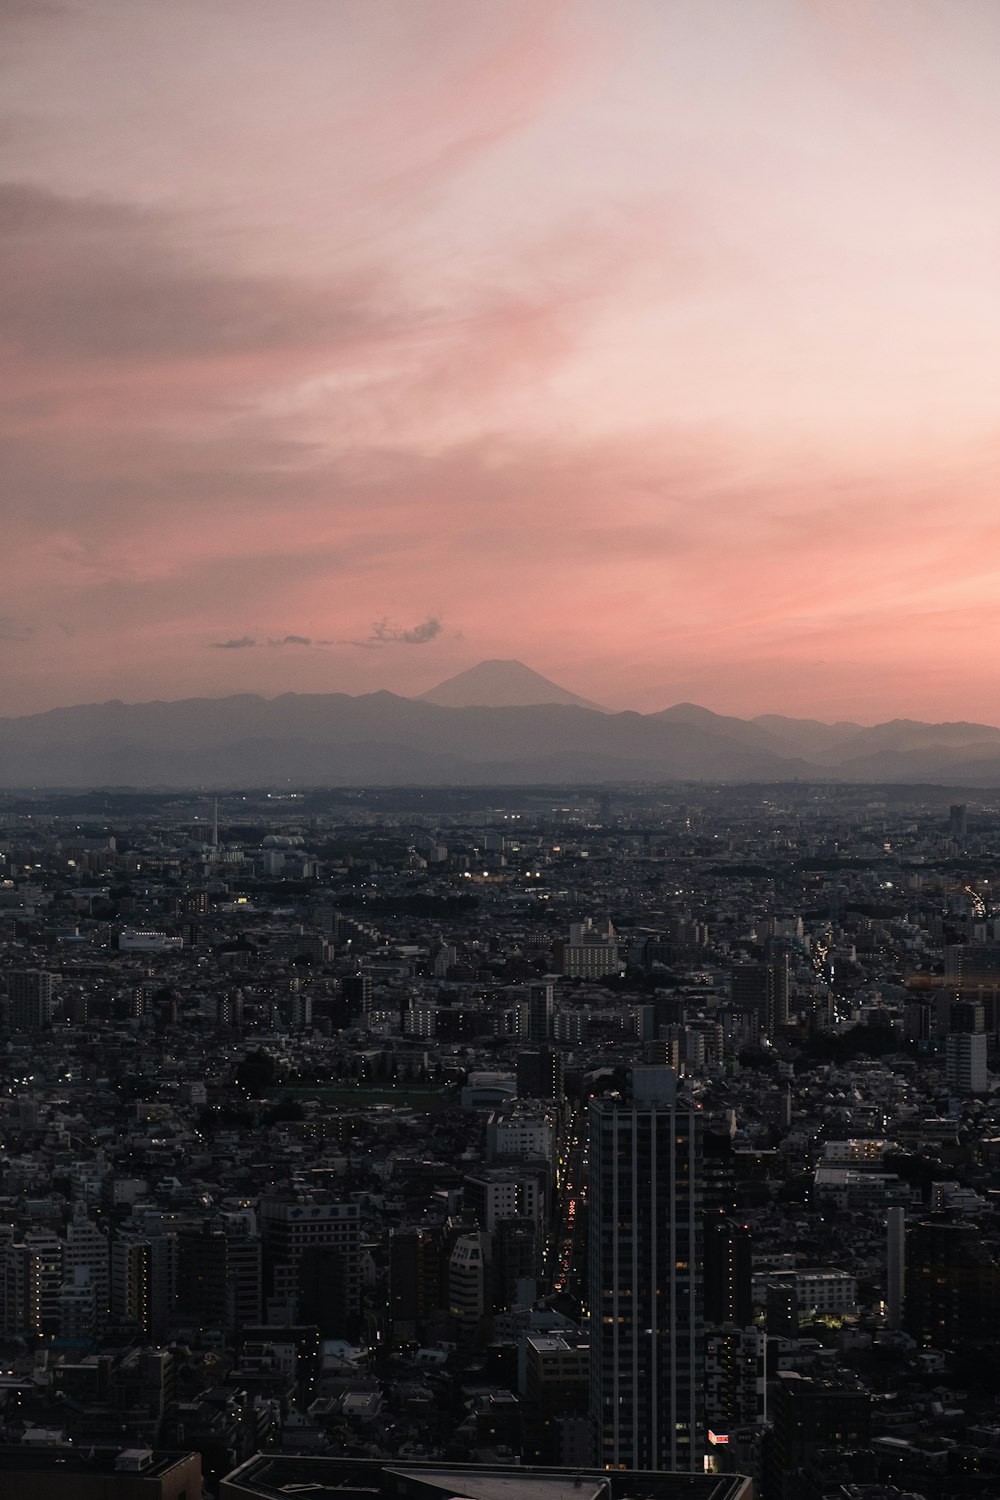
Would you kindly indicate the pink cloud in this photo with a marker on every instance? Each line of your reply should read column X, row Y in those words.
column 606, row 338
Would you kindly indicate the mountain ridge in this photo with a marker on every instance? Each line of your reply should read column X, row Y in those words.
column 383, row 738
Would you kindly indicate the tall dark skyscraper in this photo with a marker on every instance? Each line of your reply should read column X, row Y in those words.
column 763, row 987
column 952, row 1285
column 727, row 1271
column 540, row 1074
column 645, row 1269
column 810, row 1416
column 31, row 999
column 540, row 1012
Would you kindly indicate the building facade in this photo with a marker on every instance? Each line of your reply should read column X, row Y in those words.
column 647, row 1366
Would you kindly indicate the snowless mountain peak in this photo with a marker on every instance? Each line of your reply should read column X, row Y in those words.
column 502, row 684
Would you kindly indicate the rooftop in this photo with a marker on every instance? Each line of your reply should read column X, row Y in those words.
column 276, row 1476
column 151, row 1464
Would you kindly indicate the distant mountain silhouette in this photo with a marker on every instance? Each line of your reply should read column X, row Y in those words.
column 330, row 739
column 501, row 684
column 809, row 736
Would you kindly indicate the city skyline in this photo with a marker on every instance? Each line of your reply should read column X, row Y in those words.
column 651, row 345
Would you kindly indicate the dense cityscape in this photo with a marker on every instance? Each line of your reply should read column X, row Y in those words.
column 499, row 761
column 637, row 1131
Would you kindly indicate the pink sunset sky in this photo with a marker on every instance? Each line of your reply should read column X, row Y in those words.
column 653, row 342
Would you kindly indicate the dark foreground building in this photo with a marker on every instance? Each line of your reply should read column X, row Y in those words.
column 271, row 1476
column 131, row 1474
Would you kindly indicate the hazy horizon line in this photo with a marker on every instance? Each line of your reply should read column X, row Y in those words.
column 604, row 710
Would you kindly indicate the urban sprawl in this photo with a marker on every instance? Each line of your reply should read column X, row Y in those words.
column 629, row 1141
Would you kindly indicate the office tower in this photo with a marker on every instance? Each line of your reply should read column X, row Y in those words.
column 87, row 1261
column 517, row 1256
column 517, row 1192
column 781, row 1308
column 417, row 1281
column 77, row 1305
column 895, row 1296
column 326, row 1298
column 645, row 1291
column 972, row 965
column 810, row 1416
column 540, row 1012
column 590, row 952
column 777, row 986
column 718, row 1173
column 958, row 820
column 763, row 988
column 965, row 1062
column 644, row 1022
column 218, row 1279
column 967, row 1015
column 31, row 999
column 540, row 1074
column 553, row 1383
column 952, row 1285
column 727, row 1271
column 357, row 990
column 291, row 1226
column 469, row 1278
column 748, row 988
column 520, row 1133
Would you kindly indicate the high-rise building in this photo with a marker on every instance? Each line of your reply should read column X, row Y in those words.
column 967, row 1015
column 972, row 965
column 516, row 1260
column 417, row 1279
column 521, row 1132
column 31, row 999
column 540, row 1074
column 540, row 1007
column 895, row 1294
column 809, row 1417
column 965, row 1062
column 778, row 969
column 727, row 1271
column 290, row 1227
column 357, row 990
column 735, row 1379
column 515, row 1192
column 32, row 1284
column 590, row 953
column 645, row 1204
column 469, row 1277
column 87, row 1261
column 554, row 1387
column 763, row 988
column 952, row 1285
column 144, row 1281
column 218, row 1279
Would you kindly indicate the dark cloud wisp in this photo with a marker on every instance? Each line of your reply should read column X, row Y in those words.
column 383, row 634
